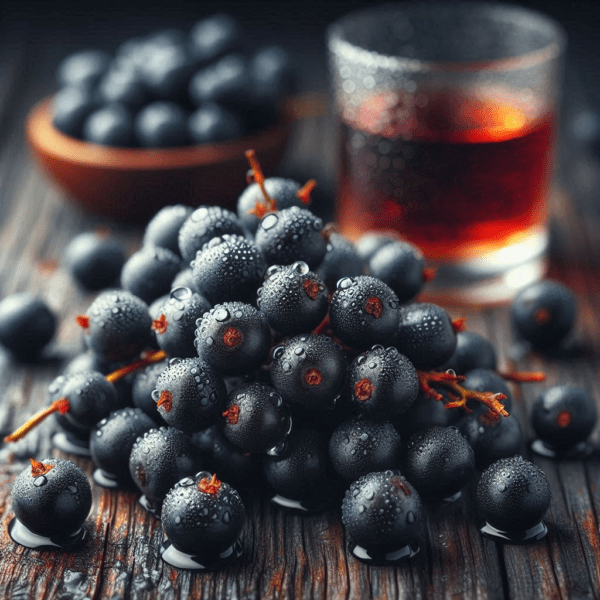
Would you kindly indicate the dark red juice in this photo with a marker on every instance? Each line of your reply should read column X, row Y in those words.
column 458, row 175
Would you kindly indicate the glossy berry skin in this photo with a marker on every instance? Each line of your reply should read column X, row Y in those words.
column 94, row 260
column 212, row 123
column 185, row 278
column 425, row 335
column 113, row 437
column 472, row 352
column 91, row 398
column 501, row 438
column 427, row 412
column 293, row 299
column 163, row 229
column 340, row 260
column 119, row 326
column 55, row 504
column 83, row 68
column 291, row 234
column 110, row 125
column 161, row 125
column 199, row 522
column 242, row 470
column 193, row 394
column 225, row 82
column 382, row 383
column 369, row 243
column 205, row 223
column 149, row 272
column 400, row 265
column 302, row 471
column 381, row 511
column 167, row 71
column 309, row 371
column 486, row 380
column 27, row 325
column 159, row 459
column 123, row 86
column 71, row 107
column 255, row 418
column 233, row 337
column 175, row 326
column 283, row 191
column 213, row 36
column 439, row 461
column 544, row 313
column 364, row 311
column 563, row 416
column 143, row 386
column 229, row 268
column 360, row 446
column 513, row 494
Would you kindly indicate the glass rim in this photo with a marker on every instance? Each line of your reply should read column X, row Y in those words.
column 338, row 44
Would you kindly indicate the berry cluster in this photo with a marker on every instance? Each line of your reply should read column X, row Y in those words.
column 255, row 372
column 172, row 88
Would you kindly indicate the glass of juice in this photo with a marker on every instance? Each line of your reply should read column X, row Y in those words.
column 447, row 120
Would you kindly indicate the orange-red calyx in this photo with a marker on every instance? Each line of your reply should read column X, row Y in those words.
column 165, row 400
column 429, row 274
column 160, row 325
column 396, row 481
column 563, row 419
column 313, row 376
column 311, row 288
column 61, row 406
column 209, row 486
column 459, row 324
column 148, row 359
column 83, row 321
column 232, row 337
column 232, row 414
column 374, row 307
column 38, row 468
column 305, row 191
column 542, row 316
column 363, row 390
column 457, row 396
column 522, row 376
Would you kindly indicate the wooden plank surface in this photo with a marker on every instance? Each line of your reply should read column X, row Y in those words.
column 285, row 556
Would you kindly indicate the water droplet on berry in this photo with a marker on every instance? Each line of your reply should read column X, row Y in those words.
column 451, row 372
column 410, row 517
column 222, row 314
column 209, row 341
column 181, row 293
column 286, row 366
column 299, row 351
column 174, row 361
column 269, row 221
column 155, row 395
column 501, row 487
column 301, row 267
column 40, row 481
column 345, row 283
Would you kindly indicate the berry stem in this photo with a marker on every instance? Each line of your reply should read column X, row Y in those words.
column 522, row 376
column 259, row 178
column 39, row 468
column 61, row 406
column 459, row 324
column 305, row 191
column 149, row 359
column 429, row 273
column 210, row 486
column 460, row 395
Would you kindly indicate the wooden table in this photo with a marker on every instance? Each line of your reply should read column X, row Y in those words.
column 285, row 556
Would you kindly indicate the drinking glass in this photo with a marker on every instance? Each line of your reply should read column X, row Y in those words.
column 447, row 124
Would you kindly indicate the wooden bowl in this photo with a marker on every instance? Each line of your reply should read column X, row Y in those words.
column 132, row 184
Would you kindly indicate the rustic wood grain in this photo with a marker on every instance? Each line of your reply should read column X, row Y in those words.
column 285, row 556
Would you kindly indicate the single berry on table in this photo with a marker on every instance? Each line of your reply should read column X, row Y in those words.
column 381, row 513
column 513, row 496
column 51, row 500
column 202, row 518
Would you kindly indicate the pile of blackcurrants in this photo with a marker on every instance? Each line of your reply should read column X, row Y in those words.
column 171, row 88
column 274, row 352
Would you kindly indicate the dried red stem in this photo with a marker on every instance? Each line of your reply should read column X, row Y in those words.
column 522, row 376
column 459, row 324
column 149, row 359
column 61, row 406
column 39, row 468
column 458, row 395
column 210, row 486
column 305, row 191
column 259, row 178
column 165, row 400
